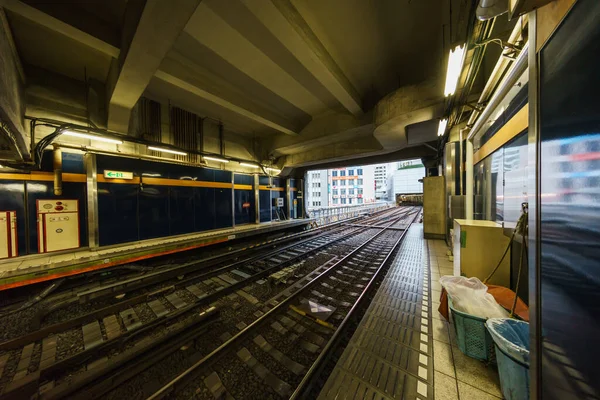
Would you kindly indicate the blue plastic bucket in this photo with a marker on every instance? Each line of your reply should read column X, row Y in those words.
column 511, row 339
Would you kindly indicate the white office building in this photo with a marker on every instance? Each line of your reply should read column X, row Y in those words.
column 381, row 175
column 351, row 185
column 404, row 179
column 316, row 189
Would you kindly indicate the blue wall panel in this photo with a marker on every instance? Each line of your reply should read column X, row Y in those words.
column 181, row 210
column 265, row 205
column 243, row 179
column 118, row 213
column 223, row 208
column 244, row 215
column 154, row 212
column 12, row 198
column 204, row 206
column 222, row 176
column 169, row 210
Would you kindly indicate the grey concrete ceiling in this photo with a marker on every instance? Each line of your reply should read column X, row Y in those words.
column 296, row 74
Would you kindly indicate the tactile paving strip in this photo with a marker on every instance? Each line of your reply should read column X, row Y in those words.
column 390, row 354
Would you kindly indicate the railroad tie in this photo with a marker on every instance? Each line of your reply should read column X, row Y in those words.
column 280, row 387
column 48, row 352
column 92, row 335
column 240, row 273
column 284, row 360
column 176, row 301
column 24, row 362
column 251, row 299
column 216, row 387
column 227, row 278
column 195, row 290
column 112, row 327
column 130, row 319
column 218, row 283
column 3, row 360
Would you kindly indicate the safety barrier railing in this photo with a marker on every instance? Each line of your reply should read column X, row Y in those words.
column 328, row 215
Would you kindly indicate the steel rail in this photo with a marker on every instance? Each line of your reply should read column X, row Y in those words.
column 306, row 384
column 113, row 308
column 185, row 377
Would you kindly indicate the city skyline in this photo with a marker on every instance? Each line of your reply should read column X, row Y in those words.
column 356, row 185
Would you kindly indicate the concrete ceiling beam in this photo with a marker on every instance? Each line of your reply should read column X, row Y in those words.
column 59, row 26
column 159, row 25
column 326, row 129
column 284, row 21
column 199, row 91
column 212, row 31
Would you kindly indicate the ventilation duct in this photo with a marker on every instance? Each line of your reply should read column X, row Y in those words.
column 488, row 9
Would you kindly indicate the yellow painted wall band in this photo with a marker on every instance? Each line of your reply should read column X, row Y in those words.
column 517, row 124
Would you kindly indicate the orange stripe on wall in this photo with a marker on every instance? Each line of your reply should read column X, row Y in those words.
column 102, row 179
column 278, row 189
column 180, row 182
column 43, row 176
column 242, row 187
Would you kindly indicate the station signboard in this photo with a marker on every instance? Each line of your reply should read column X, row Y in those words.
column 117, row 174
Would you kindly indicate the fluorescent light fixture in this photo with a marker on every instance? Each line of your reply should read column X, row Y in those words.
column 216, row 159
column 442, row 127
column 273, row 169
column 179, row 153
column 93, row 137
column 455, row 62
column 249, row 165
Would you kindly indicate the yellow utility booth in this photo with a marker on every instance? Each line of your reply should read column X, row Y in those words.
column 434, row 207
column 478, row 246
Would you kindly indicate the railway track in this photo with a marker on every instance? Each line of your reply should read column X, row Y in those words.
column 99, row 342
column 278, row 355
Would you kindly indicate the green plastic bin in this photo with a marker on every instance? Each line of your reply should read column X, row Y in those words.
column 473, row 338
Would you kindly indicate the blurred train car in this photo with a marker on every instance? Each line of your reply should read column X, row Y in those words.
column 409, row 199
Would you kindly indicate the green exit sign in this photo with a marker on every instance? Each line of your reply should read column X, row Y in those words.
column 118, row 174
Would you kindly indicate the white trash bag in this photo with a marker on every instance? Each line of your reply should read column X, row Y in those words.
column 469, row 295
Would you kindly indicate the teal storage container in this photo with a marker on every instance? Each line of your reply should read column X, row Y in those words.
column 511, row 338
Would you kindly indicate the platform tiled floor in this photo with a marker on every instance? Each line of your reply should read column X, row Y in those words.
column 403, row 348
column 40, row 262
column 456, row 376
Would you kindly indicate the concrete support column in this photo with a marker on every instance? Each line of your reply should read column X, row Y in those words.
column 270, row 199
column 288, row 197
column 300, row 197
column 256, row 199
column 469, row 179
column 233, row 199
column 92, row 200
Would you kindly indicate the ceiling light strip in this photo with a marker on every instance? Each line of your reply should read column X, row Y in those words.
column 92, row 137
